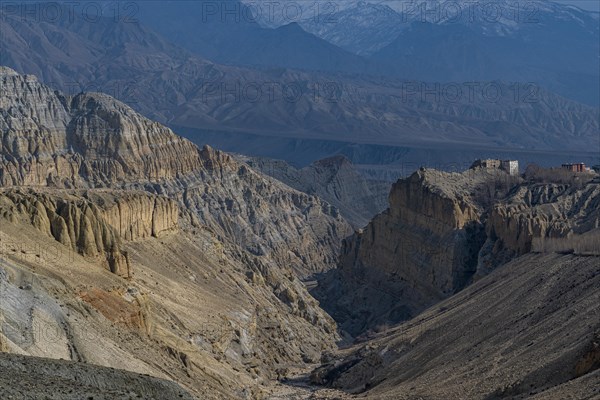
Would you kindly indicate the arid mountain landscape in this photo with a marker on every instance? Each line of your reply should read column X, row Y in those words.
column 124, row 245
column 162, row 236
column 139, row 195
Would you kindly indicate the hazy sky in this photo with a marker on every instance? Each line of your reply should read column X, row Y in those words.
column 586, row 4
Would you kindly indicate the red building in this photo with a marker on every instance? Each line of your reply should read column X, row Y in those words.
column 578, row 167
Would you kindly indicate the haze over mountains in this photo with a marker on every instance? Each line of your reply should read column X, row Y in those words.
column 551, row 44
column 227, row 33
column 315, row 102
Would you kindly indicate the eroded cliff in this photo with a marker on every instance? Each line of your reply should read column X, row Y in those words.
column 443, row 231
column 176, row 261
column 92, row 223
column 94, row 141
column 87, row 140
column 537, row 216
column 422, row 249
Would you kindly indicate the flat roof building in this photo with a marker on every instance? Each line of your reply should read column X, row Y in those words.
column 577, row 167
column 511, row 167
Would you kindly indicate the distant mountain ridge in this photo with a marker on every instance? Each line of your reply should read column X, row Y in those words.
column 552, row 44
column 362, row 28
column 226, row 32
column 174, row 86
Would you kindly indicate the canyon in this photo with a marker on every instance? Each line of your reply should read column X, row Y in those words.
column 157, row 266
column 113, row 227
column 443, row 231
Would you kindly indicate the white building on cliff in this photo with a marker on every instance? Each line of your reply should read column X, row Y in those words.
column 511, row 167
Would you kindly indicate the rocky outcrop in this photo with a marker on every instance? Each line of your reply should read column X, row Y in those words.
column 94, row 141
column 129, row 309
column 422, row 249
column 92, row 223
column 88, row 140
column 541, row 213
column 264, row 216
column 444, row 231
column 333, row 179
column 137, row 215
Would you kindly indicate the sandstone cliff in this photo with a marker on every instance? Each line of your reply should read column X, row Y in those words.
column 422, row 249
column 92, row 223
column 94, row 141
column 443, row 231
column 136, row 215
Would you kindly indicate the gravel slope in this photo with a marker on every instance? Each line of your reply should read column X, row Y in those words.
column 24, row 377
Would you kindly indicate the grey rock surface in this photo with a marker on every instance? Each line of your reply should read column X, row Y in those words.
column 31, row 378
column 333, row 179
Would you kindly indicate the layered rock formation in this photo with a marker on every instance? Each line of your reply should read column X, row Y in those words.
column 422, row 249
column 334, row 180
column 89, row 140
column 218, row 306
column 93, row 140
column 92, row 223
column 136, row 215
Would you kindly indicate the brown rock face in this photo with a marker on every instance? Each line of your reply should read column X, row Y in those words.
column 444, row 231
column 422, row 249
column 92, row 223
column 132, row 314
column 137, row 215
column 93, row 141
